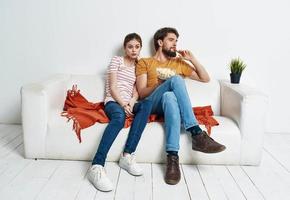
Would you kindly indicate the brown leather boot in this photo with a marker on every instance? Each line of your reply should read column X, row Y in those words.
column 202, row 142
column 172, row 176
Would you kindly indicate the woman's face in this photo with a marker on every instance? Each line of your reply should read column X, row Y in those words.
column 132, row 49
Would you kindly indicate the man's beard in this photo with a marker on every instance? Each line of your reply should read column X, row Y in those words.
column 169, row 53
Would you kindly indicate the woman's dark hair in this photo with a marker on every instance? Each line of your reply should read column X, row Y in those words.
column 162, row 33
column 132, row 36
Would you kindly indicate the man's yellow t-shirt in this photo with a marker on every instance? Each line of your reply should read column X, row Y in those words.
column 148, row 66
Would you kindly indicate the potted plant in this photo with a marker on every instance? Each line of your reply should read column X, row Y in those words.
column 237, row 66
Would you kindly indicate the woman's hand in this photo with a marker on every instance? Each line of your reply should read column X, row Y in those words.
column 128, row 110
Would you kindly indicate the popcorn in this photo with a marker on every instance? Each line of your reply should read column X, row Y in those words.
column 165, row 73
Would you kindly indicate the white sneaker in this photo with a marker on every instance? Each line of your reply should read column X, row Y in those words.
column 98, row 177
column 128, row 163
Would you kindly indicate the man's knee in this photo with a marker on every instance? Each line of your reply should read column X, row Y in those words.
column 169, row 96
column 177, row 79
column 147, row 104
column 145, row 107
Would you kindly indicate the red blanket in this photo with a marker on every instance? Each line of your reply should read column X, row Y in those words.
column 85, row 114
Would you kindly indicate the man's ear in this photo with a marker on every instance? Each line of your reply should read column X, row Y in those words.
column 160, row 42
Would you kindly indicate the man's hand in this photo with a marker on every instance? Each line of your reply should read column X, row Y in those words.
column 131, row 104
column 186, row 55
column 159, row 82
column 199, row 73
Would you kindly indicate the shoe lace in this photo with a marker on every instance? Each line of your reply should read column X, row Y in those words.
column 205, row 135
column 174, row 161
column 132, row 159
column 99, row 173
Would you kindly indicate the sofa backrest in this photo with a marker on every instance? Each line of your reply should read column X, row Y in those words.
column 200, row 94
column 203, row 94
column 92, row 87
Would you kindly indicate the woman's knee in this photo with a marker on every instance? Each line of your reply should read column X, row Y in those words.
column 118, row 118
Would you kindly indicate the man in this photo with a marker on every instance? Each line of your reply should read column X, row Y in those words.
column 170, row 97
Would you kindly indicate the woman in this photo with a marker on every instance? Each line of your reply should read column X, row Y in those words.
column 120, row 101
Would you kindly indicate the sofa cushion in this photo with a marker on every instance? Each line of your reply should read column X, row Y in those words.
column 61, row 143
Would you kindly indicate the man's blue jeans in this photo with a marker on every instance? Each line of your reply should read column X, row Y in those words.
column 171, row 100
column 117, row 117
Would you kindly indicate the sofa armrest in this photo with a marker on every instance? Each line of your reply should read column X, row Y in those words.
column 36, row 100
column 247, row 107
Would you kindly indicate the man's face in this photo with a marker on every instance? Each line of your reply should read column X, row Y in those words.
column 168, row 45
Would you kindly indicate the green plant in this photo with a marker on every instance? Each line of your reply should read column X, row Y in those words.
column 237, row 66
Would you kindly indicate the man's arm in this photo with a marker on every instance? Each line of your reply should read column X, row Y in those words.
column 142, row 88
column 134, row 98
column 199, row 73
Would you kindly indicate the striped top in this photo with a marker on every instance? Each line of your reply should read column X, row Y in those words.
column 125, row 79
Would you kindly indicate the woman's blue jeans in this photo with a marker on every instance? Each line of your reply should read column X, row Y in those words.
column 171, row 100
column 117, row 117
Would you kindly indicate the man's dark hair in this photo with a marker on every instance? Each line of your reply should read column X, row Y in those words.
column 162, row 33
column 132, row 36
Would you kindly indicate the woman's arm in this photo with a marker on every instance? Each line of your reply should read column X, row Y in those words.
column 116, row 94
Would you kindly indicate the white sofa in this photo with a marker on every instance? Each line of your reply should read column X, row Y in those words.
column 240, row 111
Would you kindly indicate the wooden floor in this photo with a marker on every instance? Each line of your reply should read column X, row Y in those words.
column 65, row 180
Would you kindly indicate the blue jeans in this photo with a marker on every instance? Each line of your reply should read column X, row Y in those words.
column 171, row 100
column 117, row 117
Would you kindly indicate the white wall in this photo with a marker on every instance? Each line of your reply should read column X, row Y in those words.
column 40, row 38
